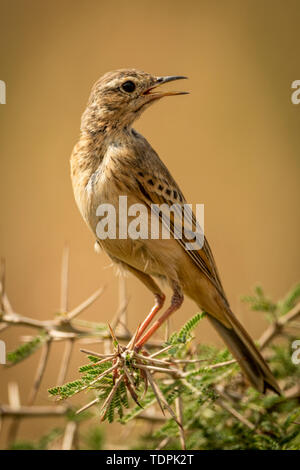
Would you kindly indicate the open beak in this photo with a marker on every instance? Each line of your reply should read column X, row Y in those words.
column 160, row 81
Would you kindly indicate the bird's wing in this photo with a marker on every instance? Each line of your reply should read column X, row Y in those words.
column 157, row 187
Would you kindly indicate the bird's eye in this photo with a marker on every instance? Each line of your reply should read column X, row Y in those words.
column 128, row 86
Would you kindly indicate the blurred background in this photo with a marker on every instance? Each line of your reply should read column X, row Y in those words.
column 232, row 144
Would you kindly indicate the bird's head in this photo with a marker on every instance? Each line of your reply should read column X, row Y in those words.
column 118, row 98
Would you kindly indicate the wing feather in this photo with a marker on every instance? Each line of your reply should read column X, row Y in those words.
column 161, row 191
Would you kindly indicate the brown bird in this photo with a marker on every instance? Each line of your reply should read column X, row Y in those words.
column 110, row 160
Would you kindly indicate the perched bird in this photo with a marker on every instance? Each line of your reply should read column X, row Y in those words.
column 112, row 159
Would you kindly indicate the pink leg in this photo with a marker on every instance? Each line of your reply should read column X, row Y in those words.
column 176, row 303
column 159, row 302
column 159, row 299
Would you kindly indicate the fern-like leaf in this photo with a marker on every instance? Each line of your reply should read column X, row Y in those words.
column 26, row 349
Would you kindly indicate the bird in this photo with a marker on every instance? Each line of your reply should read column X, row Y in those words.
column 111, row 159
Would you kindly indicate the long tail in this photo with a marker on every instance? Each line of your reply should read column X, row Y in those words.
column 246, row 353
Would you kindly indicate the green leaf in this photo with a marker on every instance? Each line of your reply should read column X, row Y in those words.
column 27, row 349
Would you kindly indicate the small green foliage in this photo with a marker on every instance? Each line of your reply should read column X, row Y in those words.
column 260, row 303
column 281, row 363
column 67, row 390
column 148, row 401
column 178, row 340
column 169, row 392
column 185, row 332
column 95, row 327
column 91, row 372
column 94, row 439
column 26, row 349
column 208, row 425
column 123, row 396
column 42, row 444
column 289, row 300
column 270, row 422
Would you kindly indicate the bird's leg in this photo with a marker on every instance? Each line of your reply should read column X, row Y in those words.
column 159, row 298
column 176, row 303
column 159, row 302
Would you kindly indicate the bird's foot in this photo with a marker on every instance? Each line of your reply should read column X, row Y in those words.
column 131, row 367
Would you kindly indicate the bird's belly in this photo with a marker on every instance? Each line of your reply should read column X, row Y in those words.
column 156, row 257
column 118, row 244
column 131, row 252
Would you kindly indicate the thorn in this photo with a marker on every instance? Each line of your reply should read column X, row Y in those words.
column 115, row 341
column 85, row 407
column 93, row 353
column 134, row 338
column 132, row 393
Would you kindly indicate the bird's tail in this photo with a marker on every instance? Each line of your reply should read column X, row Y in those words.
column 246, row 353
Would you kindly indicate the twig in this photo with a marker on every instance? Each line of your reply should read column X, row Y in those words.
column 108, row 400
column 225, row 406
column 163, row 443
column 152, row 360
column 15, row 402
column 167, row 330
column 175, row 372
column 154, row 388
column 33, row 411
column 6, row 304
column 69, row 435
column 178, row 403
column 128, row 374
column 2, row 283
column 235, row 413
column 277, row 327
column 121, row 316
column 160, row 351
column 65, row 361
column 93, row 353
column 85, row 407
column 84, row 305
column 40, row 372
column 221, row 364
column 161, row 397
column 64, row 280
column 14, row 395
column 152, row 417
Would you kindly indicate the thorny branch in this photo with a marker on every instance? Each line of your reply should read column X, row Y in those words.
column 277, row 328
column 65, row 327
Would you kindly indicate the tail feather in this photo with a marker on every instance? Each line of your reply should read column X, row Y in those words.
column 246, row 353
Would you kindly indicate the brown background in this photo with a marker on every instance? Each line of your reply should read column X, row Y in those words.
column 232, row 144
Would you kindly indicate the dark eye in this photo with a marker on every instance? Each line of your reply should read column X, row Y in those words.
column 128, row 86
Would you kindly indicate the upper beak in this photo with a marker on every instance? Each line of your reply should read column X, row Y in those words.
column 161, row 81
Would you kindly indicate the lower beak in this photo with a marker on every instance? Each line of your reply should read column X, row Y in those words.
column 160, row 81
